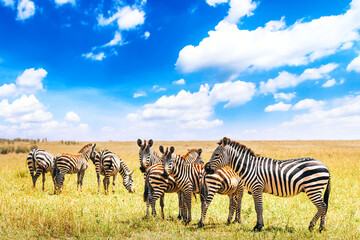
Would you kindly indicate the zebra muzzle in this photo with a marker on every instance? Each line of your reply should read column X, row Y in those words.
column 165, row 174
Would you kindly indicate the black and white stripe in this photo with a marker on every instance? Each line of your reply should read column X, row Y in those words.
column 157, row 183
column 226, row 182
column 40, row 162
column 281, row 178
column 71, row 164
column 186, row 175
column 109, row 164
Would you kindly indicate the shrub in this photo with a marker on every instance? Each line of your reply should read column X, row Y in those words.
column 22, row 149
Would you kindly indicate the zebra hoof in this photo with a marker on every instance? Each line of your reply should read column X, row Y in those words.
column 187, row 223
column 257, row 228
column 179, row 217
column 321, row 229
column 200, row 224
column 236, row 221
column 311, row 228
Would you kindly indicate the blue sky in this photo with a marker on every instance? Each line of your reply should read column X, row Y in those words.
column 179, row 70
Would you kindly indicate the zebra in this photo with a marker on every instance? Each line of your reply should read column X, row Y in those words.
column 156, row 183
column 281, row 178
column 226, row 182
column 186, row 175
column 72, row 163
column 40, row 162
column 147, row 155
column 109, row 164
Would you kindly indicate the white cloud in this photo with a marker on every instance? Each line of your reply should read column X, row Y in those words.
column 275, row 45
column 62, row 2
column 213, row 3
column 72, row 117
column 31, row 80
column 7, row 90
column 179, row 82
column 156, row 88
column 8, row 3
column 139, row 94
column 127, row 18
column 329, row 83
column 97, row 57
column 193, row 110
column 235, row 93
column 285, row 79
column 24, row 109
column 284, row 96
column 26, row 9
column 354, row 65
column 347, row 45
column 308, row 104
column 146, row 35
column 117, row 41
column 239, row 9
column 278, row 107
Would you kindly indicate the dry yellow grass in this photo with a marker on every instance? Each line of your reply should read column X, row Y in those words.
column 32, row 213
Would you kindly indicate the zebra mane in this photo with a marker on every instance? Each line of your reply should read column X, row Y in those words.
column 240, row 147
column 85, row 147
column 187, row 155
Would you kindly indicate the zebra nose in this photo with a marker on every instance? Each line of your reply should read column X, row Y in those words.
column 208, row 169
column 142, row 168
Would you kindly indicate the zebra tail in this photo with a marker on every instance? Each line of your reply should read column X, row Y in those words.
column 203, row 190
column 146, row 190
column 327, row 194
column 33, row 164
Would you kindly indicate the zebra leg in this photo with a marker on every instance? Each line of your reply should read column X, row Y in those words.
column 180, row 205
column 98, row 180
column 257, row 195
column 239, row 195
column 162, row 206
column 78, row 180
column 317, row 200
column 82, row 174
column 105, row 185
column 205, row 205
column 43, row 175
column 232, row 206
column 37, row 175
column 114, row 178
column 187, row 200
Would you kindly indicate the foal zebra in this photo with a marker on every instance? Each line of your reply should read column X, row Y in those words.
column 72, row 163
column 226, row 182
column 282, row 178
column 109, row 164
column 40, row 162
column 186, row 175
column 157, row 183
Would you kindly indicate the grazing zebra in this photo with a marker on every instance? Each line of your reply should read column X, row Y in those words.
column 40, row 162
column 72, row 163
column 226, row 182
column 282, row 178
column 156, row 183
column 186, row 175
column 109, row 164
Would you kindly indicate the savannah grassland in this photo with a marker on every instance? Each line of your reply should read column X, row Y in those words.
column 31, row 213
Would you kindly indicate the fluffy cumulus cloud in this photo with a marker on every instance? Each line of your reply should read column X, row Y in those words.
column 8, row 3
column 308, row 104
column 193, row 110
column 284, row 96
column 30, row 81
column 26, row 9
column 24, row 109
column 354, row 65
column 274, row 45
column 213, row 3
column 72, row 117
column 62, row 2
column 286, row 79
column 283, row 107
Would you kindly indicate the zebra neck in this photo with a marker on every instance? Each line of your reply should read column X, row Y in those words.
column 180, row 167
column 124, row 169
column 154, row 158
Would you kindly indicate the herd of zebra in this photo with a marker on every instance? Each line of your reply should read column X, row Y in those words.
column 232, row 168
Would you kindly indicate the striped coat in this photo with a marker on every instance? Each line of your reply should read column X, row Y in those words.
column 66, row 163
column 281, row 178
column 109, row 164
column 40, row 162
column 186, row 175
column 226, row 182
column 157, row 183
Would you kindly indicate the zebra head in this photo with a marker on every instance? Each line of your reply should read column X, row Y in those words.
column 219, row 158
column 144, row 154
column 199, row 160
column 128, row 182
column 167, row 160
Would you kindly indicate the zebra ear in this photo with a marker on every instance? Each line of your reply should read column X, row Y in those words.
column 199, row 151
column 225, row 141
column 161, row 148
column 150, row 143
column 139, row 142
column 172, row 149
